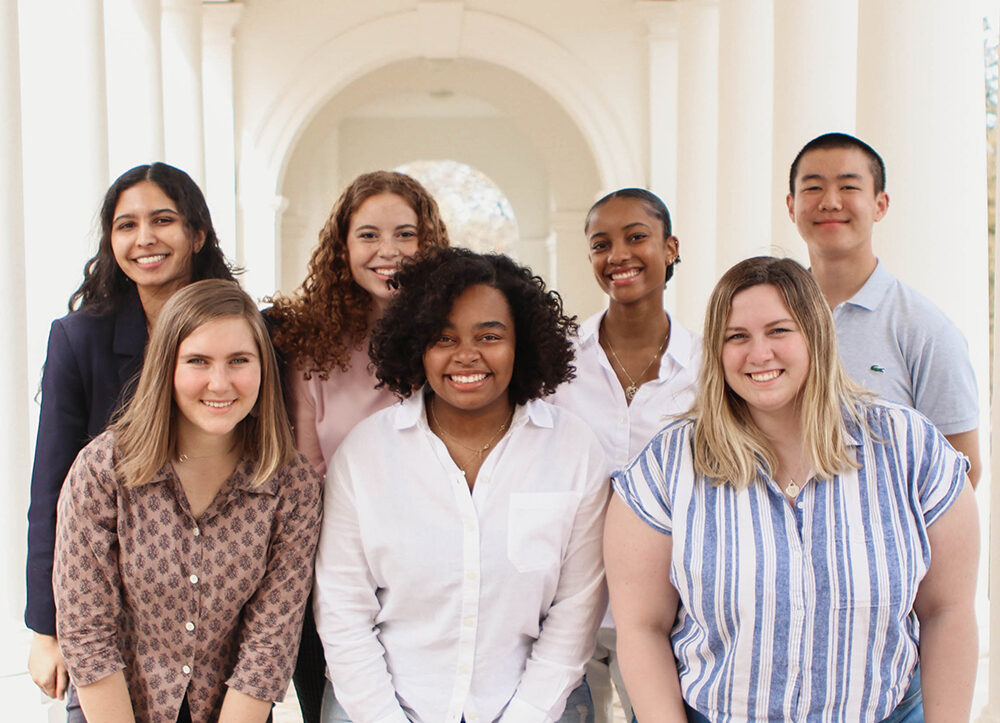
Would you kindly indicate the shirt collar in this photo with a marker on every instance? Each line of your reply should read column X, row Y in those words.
column 683, row 348
column 410, row 413
column 874, row 290
column 240, row 479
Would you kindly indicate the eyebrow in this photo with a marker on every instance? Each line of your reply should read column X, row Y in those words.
column 152, row 213
column 373, row 226
column 820, row 177
column 491, row 325
column 787, row 320
column 626, row 227
column 209, row 356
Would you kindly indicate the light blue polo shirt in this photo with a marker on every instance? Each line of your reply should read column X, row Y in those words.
column 898, row 344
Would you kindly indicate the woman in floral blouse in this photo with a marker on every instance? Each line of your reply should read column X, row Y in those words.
column 186, row 532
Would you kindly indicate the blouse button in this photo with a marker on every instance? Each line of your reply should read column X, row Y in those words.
column 197, row 531
column 189, row 626
column 194, row 579
column 186, row 669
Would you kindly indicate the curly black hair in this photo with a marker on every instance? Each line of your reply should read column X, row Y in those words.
column 428, row 285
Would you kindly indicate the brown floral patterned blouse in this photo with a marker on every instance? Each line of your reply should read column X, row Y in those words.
column 184, row 606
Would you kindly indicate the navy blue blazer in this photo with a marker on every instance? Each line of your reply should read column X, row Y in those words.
column 92, row 364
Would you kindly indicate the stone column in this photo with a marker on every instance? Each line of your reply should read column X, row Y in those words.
column 746, row 91
column 219, row 22
column 135, row 90
column 183, row 119
column 662, row 19
column 815, row 72
column 14, row 443
column 697, row 157
column 920, row 105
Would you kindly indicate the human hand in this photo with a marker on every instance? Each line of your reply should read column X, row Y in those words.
column 46, row 666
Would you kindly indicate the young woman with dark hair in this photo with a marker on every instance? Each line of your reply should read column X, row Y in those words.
column 459, row 573
column 636, row 366
column 156, row 237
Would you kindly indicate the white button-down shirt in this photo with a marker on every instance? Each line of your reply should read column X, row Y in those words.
column 596, row 394
column 434, row 603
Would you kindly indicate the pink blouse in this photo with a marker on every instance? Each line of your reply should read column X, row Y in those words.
column 323, row 412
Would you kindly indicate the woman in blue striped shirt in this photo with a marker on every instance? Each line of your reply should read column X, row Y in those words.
column 770, row 558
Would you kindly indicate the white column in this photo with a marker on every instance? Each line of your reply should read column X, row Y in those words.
column 697, row 157
column 921, row 105
column 135, row 91
column 219, row 22
column 575, row 277
column 661, row 19
column 64, row 130
column 14, row 443
column 815, row 72
column 183, row 124
column 746, row 91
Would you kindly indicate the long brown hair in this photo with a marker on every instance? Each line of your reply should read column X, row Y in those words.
column 104, row 283
column 146, row 431
column 728, row 446
column 317, row 326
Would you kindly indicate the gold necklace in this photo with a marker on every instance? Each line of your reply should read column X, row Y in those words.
column 632, row 389
column 479, row 451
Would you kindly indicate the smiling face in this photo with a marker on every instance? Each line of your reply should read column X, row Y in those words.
column 383, row 231
column 151, row 241
column 628, row 250
column 216, row 380
column 835, row 204
column 470, row 364
column 765, row 358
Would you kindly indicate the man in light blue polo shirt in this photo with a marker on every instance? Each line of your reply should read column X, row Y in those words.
column 892, row 340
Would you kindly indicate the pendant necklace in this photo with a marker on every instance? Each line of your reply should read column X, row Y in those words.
column 633, row 388
column 792, row 489
column 478, row 450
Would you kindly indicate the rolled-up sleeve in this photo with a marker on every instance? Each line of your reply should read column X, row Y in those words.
column 86, row 579
column 272, row 619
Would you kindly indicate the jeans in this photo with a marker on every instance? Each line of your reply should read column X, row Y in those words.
column 579, row 705
column 909, row 710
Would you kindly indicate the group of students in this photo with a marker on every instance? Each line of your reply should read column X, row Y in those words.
column 768, row 546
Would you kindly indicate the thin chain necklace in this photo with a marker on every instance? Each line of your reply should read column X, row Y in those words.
column 479, row 451
column 633, row 388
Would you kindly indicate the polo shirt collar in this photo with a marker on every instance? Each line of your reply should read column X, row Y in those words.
column 874, row 290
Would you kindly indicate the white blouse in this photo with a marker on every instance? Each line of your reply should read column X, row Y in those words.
column 437, row 604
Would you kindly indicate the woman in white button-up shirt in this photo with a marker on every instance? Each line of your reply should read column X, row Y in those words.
column 460, row 573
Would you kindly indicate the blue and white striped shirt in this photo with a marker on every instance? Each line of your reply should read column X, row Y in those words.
column 799, row 613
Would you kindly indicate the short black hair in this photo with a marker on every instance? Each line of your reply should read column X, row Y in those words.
column 841, row 140
column 653, row 204
column 428, row 286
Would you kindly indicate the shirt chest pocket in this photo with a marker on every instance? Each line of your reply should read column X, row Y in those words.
column 875, row 570
column 538, row 528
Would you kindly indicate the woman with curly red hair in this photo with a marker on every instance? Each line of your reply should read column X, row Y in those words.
column 322, row 333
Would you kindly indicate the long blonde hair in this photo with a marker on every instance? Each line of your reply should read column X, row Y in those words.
column 146, row 431
column 728, row 446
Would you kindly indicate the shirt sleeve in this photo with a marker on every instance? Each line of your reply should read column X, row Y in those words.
column 62, row 433
column 345, row 606
column 944, row 384
column 938, row 471
column 86, row 579
column 642, row 485
column 569, row 629
column 272, row 619
column 302, row 410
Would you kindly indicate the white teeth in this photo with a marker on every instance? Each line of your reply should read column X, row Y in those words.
column 467, row 378
column 619, row 275
column 143, row 260
column 766, row 376
column 386, row 271
column 216, row 405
